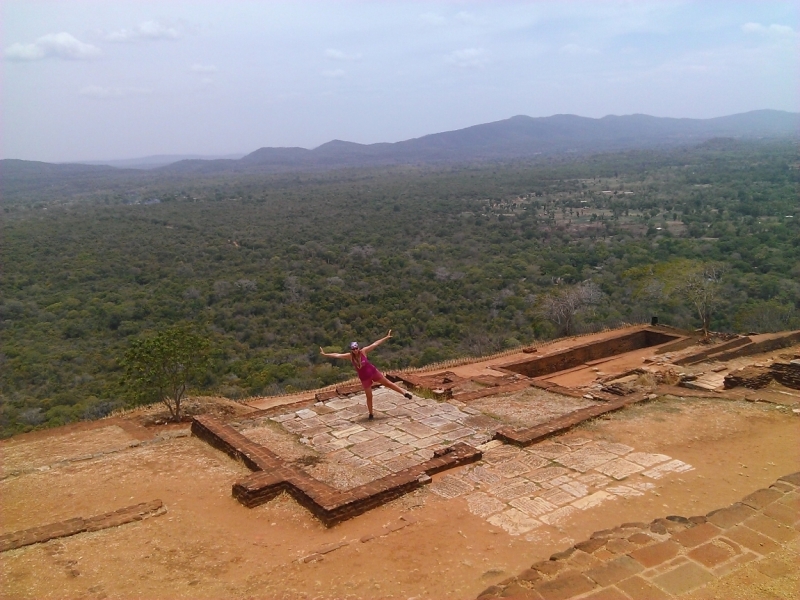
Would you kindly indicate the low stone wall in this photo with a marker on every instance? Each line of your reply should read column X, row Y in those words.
column 51, row 531
column 669, row 556
column 584, row 353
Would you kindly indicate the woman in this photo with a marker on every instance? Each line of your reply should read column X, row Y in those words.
column 367, row 372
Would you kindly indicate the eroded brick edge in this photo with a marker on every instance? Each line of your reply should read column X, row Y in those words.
column 44, row 533
column 648, row 560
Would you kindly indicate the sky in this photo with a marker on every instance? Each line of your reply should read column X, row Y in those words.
column 103, row 80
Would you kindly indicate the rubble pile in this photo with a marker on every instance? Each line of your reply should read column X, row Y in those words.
column 787, row 374
column 757, row 377
column 751, row 377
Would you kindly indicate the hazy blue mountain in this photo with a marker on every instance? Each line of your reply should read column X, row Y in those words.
column 514, row 138
column 519, row 137
column 157, row 160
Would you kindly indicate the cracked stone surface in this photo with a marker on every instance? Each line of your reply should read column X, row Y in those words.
column 580, row 475
column 340, row 446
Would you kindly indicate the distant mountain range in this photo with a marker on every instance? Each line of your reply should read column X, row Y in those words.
column 516, row 138
column 157, row 160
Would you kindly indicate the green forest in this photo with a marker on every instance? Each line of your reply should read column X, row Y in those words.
column 456, row 260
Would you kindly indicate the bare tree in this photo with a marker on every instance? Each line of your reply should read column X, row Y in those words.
column 701, row 286
column 564, row 304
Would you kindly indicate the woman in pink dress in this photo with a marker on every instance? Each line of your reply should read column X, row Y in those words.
column 367, row 372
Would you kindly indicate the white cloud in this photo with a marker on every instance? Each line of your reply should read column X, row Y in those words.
column 334, row 54
column 147, row 30
column 334, row 74
column 773, row 29
column 474, row 58
column 96, row 91
column 53, row 45
column 198, row 68
column 576, row 50
column 466, row 17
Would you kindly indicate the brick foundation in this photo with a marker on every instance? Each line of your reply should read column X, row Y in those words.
column 580, row 355
column 44, row 533
column 331, row 506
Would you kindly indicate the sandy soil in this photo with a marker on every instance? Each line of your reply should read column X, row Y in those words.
column 209, row 546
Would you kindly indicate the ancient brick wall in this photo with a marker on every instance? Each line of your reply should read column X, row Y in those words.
column 567, row 359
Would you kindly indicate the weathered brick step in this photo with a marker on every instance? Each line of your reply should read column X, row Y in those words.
column 670, row 556
column 699, row 357
column 44, row 533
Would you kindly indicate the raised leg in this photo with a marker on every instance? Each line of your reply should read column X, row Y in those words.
column 385, row 382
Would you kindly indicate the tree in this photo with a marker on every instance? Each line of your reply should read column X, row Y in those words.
column 564, row 304
column 701, row 286
column 160, row 368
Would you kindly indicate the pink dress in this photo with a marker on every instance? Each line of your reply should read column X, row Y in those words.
column 367, row 372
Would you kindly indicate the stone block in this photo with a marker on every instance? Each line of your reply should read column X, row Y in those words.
column 549, row 567
column 591, row 545
column 761, row 498
column 683, row 578
column 639, row 589
column 710, row 555
column 735, row 563
column 771, row 528
column 606, row 594
column 493, row 591
column 620, row 546
column 650, row 556
column 752, row 540
column 565, row 586
column 794, row 479
column 782, row 486
column 695, row 536
column 613, row 571
column 531, row 575
column 730, row 516
column 782, row 513
column 515, row 590
column 774, row 568
column 640, row 539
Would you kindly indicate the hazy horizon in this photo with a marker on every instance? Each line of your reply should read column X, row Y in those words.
column 85, row 81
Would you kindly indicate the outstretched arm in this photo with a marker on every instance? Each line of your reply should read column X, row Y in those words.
column 333, row 354
column 377, row 343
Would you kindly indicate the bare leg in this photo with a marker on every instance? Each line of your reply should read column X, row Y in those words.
column 386, row 383
column 368, row 391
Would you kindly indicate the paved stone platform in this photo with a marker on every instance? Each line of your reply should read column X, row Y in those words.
column 524, row 490
column 353, row 450
column 669, row 557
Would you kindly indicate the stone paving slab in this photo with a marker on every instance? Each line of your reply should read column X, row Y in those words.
column 667, row 558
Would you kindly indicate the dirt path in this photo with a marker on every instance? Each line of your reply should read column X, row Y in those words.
column 209, row 546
